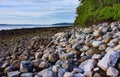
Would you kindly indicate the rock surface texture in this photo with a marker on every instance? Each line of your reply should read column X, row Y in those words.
column 82, row 52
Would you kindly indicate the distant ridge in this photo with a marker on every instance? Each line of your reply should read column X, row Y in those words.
column 65, row 23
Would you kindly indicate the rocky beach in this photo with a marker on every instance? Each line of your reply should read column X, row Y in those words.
column 92, row 51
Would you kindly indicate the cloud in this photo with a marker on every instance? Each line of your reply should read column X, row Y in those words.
column 37, row 9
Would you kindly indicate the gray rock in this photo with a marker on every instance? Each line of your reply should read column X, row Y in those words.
column 5, row 65
column 79, row 75
column 77, row 70
column 26, row 75
column 68, row 74
column 96, row 56
column 9, row 69
column 14, row 74
column 110, row 59
column 87, row 65
column 97, row 75
column 61, row 72
column 46, row 73
column 97, row 43
column 96, row 33
column 26, row 66
column 111, row 71
column 87, row 30
column 55, row 68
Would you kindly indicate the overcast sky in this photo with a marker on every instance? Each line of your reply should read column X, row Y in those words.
column 37, row 11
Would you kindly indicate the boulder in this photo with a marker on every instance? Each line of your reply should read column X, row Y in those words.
column 110, row 59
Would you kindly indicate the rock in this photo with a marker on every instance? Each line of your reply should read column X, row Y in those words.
column 77, row 70
column 43, row 65
column 117, row 47
column 96, row 33
column 107, row 40
column 68, row 74
column 5, row 65
column 9, row 69
column 26, row 75
column 61, row 72
column 85, row 48
column 46, row 73
column 79, row 75
column 87, row 65
column 96, row 69
column 92, row 52
column 96, row 56
column 14, row 74
column 102, row 47
column 26, row 66
column 97, row 43
column 111, row 71
column 110, row 59
column 53, row 57
column 38, row 55
column 55, row 68
column 87, row 30
column 97, row 75
column 16, row 63
column 63, row 56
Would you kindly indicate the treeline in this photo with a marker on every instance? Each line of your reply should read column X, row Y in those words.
column 94, row 11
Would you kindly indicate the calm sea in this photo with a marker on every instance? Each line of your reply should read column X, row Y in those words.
column 20, row 26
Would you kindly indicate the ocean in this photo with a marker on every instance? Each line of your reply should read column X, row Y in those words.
column 21, row 26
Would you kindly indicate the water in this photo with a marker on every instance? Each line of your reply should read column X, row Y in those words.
column 20, row 26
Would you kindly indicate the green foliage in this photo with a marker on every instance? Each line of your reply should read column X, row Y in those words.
column 93, row 11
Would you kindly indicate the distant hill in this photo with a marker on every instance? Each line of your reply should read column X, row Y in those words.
column 63, row 23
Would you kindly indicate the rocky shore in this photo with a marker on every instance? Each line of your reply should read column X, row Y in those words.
column 77, row 52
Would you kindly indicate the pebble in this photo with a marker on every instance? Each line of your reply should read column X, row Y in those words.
column 97, row 43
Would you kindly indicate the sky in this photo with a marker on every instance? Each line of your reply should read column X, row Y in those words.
column 37, row 11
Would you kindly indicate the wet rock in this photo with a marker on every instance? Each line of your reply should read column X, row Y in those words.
column 26, row 66
column 14, row 74
column 26, row 75
column 110, row 59
column 111, row 71
column 68, row 74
